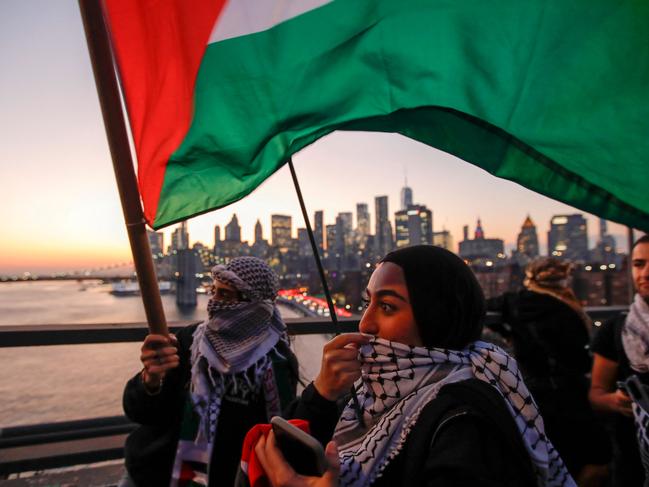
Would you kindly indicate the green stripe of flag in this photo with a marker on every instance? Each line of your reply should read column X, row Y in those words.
column 551, row 94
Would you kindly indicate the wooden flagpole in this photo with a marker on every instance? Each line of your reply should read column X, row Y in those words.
column 111, row 109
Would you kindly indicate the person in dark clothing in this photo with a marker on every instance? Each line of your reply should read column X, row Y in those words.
column 619, row 348
column 439, row 407
column 549, row 333
column 200, row 392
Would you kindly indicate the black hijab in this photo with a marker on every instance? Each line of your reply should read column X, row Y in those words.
column 446, row 299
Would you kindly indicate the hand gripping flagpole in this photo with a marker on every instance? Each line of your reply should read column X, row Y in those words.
column 325, row 287
column 111, row 109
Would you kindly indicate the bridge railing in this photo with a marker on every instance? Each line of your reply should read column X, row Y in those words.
column 61, row 444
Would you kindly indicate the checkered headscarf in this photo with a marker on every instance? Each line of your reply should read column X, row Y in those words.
column 231, row 350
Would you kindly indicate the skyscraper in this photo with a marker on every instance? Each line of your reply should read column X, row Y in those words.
column 217, row 235
column 344, row 233
column 333, row 257
column 443, row 239
column 331, row 239
column 318, row 230
column 413, row 226
column 528, row 242
column 479, row 232
column 383, row 238
column 281, row 228
column 606, row 241
column 362, row 224
column 482, row 249
column 180, row 237
column 401, row 229
column 156, row 242
column 259, row 236
column 406, row 197
column 303, row 243
column 568, row 237
column 233, row 230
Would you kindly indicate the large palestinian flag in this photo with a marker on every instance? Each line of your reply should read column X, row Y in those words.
column 552, row 94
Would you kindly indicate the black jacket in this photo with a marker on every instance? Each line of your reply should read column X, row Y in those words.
column 151, row 449
column 465, row 436
column 550, row 340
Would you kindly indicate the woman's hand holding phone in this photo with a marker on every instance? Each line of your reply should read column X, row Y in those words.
column 281, row 474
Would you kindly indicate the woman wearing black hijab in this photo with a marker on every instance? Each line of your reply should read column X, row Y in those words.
column 439, row 407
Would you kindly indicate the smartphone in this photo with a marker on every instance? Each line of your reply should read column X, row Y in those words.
column 621, row 385
column 302, row 451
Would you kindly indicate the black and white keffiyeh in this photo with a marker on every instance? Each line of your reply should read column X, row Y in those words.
column 231, row 352
column 641, row 419
column 399, row 380
column 231, row 348
column 635, row 335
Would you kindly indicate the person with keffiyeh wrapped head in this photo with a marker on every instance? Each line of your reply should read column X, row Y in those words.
column 621, row 349
column 202, row 390
column 438, row 407
column 549, row 332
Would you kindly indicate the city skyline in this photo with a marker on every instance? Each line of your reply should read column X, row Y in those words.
column 61, row 210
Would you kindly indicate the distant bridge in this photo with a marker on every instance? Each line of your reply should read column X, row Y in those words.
column 6, row 279
column 111, row 272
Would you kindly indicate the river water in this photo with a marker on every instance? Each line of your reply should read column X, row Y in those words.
column 65, row 382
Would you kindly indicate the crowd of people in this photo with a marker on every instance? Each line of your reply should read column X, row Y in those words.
column 414, row 398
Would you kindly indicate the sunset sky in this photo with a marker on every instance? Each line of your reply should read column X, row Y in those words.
column 60, row 210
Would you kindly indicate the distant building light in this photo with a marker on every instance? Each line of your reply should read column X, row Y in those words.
column 611, row 266
column 413, row 212
column 597, row 323
column 559, row 220
column 603, row 267
column 368, row 265
column 561, row 247
column 489, row 263
column 588, row 268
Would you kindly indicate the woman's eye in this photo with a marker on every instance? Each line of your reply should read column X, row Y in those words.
column 388, row 308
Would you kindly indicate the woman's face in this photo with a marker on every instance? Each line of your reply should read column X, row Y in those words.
column 388, row 313
column 640, row 269
column 225, row 293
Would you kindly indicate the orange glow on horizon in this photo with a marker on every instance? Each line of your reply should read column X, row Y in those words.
column 61, row 258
